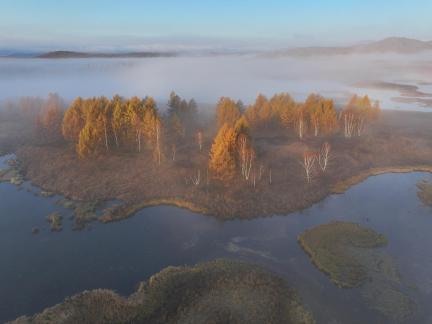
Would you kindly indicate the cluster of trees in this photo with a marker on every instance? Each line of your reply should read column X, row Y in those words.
column 233, row 150
column 128, row 124
column 317, row 115
column 97, row 124
column 358, row 112
column 135, row 124
column 181, row 115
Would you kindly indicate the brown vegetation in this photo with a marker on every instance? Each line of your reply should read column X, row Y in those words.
column 215, row 292
column 251, row 168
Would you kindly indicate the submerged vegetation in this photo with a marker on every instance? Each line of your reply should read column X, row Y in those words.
column 425, row 192
column 346, row 253
column 219, row 291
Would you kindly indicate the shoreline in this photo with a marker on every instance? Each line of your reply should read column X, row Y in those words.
column 127, row 209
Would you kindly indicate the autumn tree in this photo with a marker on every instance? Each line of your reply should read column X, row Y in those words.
column 227, row 112
column 73, row 121
column 223, row 154
column 357, row 113
column 282, row 107
column 260, row 113
column 51, row 117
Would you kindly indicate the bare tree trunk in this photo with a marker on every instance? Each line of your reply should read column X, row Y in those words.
column 196, row 180
column 261, row 170
column 360, row 126
column 139, row 140
column 173, row 150
column 158, row 150
column 300, row 128
column 324, row 156
column 349, row 121
column 106, row 137
column 116, row 138
column 308, row 164
column 270, row 176
column 200, row 139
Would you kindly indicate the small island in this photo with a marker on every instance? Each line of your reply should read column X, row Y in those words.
column 330, row 247
column 274, row 156
column 218, row 291
column 349, row 255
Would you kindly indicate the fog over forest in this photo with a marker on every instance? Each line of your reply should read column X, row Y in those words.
column 206, row 78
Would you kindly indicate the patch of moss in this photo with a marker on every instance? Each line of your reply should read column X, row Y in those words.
column 425, row 192
column 219, row 291
column 55, row 220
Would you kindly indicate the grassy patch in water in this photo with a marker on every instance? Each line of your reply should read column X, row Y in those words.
column 425, row 192
column 219, row 291
column 346, row 253
column 55, row 220
column 328, row 244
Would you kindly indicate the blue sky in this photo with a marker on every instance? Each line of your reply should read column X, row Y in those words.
column 277, row 23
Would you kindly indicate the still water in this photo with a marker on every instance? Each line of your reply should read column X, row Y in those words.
column 40, row 270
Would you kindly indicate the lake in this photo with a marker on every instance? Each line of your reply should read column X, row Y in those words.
column 41, row 270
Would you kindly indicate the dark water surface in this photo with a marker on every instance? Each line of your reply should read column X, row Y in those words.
column 40, row 270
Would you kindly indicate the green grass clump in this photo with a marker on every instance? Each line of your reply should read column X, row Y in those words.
column 219, row 291
column 329, row 247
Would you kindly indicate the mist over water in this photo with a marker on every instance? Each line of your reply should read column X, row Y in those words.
column 207, row 78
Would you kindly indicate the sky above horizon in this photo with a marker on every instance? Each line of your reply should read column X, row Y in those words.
column 134, row 24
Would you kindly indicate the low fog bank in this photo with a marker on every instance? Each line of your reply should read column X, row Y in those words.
column 208, row 78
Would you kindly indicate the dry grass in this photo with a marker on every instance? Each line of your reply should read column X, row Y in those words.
column 120, row 212
column 215, row 292
column 400, row 142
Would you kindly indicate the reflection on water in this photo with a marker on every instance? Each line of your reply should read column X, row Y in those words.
column 40, row 270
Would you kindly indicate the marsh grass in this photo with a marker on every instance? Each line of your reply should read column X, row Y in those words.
column 55, row 220
column 219, row 291
column 347, row 253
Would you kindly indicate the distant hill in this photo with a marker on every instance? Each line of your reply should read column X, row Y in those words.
column 71, row 54
column 398, row 45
